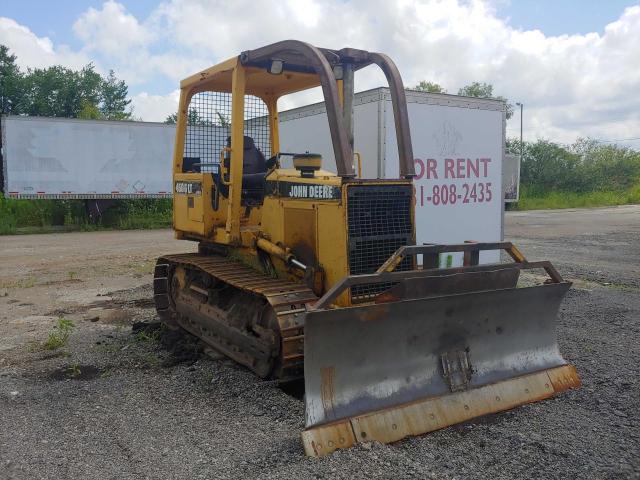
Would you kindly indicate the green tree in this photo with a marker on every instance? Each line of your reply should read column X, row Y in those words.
column 114, row 101
column 585, row 166
column 89, row 111
column 549, row 166
column 607, row 166
column 431, row 87
column 484, row 90
column 60, row 92
column 57, row 91
column 10, row 82
column 195, row 119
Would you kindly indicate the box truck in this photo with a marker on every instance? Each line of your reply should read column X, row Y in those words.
column 458, row 145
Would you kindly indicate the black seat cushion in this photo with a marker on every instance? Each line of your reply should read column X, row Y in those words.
column 254, row 169
column 253, row 160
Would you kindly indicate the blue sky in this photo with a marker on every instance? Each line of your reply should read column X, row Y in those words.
column 56, row 22
column 552, row 17
column 562, row 16
column 554, row 56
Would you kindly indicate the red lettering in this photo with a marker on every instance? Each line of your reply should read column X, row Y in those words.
column 448, row 168
column 431, row 168
column 420, row 170
column 460, row 168
column 473, row 168
column 485, row 164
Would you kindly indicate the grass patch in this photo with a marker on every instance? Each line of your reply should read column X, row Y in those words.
column 22, row 283
column 59, row 337
column 561, row 199
column 48, row 216
column 147, row 335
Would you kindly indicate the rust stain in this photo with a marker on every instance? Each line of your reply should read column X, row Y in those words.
column 327, row 375
column 564, row 378
column 372, row 314
column 428, row 414
column 387, row 297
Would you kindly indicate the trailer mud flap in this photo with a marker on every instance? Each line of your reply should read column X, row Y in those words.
column 389, row 370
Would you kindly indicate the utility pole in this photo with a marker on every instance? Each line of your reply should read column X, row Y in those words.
column 521, row 143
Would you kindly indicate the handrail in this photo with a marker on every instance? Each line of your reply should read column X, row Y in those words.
column 222, row 169
column 388, row 275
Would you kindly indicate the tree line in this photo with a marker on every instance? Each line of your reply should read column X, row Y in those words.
column 58, row 91
column 474, row 89
column 583, row 167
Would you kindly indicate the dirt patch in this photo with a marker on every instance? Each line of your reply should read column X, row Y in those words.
column 141, row 303
column 75, row 372
column 182, row 346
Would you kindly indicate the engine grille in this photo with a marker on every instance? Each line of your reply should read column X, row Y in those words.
column 379, row 222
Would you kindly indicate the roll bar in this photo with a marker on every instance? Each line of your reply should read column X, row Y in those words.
column 300, row 56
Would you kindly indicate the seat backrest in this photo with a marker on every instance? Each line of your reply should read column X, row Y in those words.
column 253, row 160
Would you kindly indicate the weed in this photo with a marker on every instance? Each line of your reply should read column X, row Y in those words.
column 22, row 283
column 146, row 336
column 151, row 359
column 73, row 370
column 60, row 335
column 72, row 275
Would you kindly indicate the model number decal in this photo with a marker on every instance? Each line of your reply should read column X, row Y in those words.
column 188, row 188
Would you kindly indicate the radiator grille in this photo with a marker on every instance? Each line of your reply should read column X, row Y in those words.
column 379, row 222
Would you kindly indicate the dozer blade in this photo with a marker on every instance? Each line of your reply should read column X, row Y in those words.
column 385, row 371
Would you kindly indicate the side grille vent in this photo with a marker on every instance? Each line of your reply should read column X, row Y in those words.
column 379, row 222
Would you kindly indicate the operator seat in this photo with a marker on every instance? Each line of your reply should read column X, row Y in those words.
column 254, row 165
column 254, row 170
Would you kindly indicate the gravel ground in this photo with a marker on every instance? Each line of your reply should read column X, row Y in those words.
column 117, row 404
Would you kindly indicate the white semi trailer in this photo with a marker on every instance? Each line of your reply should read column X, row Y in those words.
column 64, row 158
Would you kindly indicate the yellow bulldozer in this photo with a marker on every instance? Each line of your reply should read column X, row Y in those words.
column 306, row 273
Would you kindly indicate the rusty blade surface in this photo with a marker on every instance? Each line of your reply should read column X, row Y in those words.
column 426, row 415
column 368, row 358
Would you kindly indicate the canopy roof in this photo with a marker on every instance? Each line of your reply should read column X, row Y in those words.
column 305, row 66
column 301, row 65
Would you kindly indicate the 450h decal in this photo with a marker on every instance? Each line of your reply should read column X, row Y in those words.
column 188, row 188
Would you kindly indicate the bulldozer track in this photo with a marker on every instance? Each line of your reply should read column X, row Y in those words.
column 288, row 300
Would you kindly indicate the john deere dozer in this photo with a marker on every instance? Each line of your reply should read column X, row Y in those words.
column 301, row 272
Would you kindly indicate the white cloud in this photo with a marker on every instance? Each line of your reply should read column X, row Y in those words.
column 111, row 30
column 33, row 51
column 155, row 108
column 571, row 85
